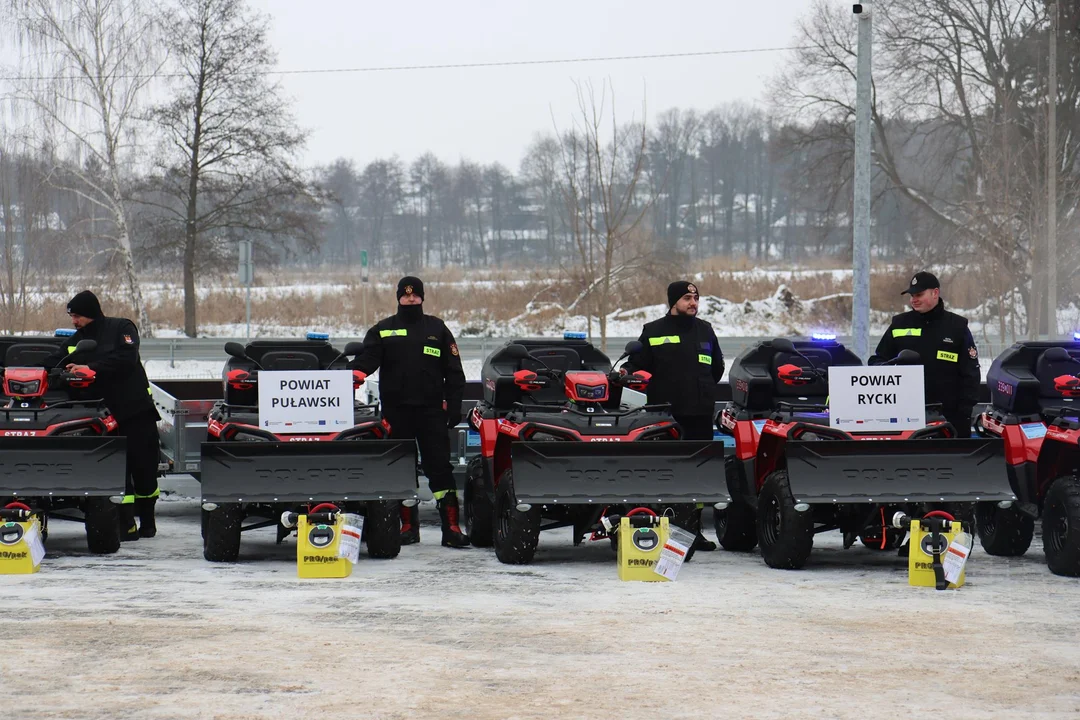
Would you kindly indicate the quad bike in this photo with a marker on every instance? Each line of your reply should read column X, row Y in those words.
column 1035, row 395
column 59, row 451
column 249, row 472
column 560, row 450
column 794, row 476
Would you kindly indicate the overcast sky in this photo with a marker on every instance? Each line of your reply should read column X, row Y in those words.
column 491, row 114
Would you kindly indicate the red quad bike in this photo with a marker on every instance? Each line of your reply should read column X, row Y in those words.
column 549, row 423
column 59, row 451
column 795, row 476
column 249, row 472
column 1035, row 396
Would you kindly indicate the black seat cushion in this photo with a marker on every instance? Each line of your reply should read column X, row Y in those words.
column 290, row 360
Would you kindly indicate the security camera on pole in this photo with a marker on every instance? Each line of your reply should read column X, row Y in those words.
column 860, row 306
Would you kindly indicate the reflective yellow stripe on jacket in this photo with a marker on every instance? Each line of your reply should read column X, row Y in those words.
column 393, row 333
column 907, row 332
column 664, row 340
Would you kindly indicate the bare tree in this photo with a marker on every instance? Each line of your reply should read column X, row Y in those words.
column 229, row 140
column 23, row 220
column 670, row 158
column 381, row 195
column 540, row 173
column 87, row 66
column 342, row 185
column 957, row 113
column 602, row 169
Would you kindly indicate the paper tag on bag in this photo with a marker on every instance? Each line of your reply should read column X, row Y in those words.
column 956, row 556
column 34, row 542
column 673, row 554
column 351, row 532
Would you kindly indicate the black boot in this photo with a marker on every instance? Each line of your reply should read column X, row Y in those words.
column 126, row 517
column 410, row 525
column 700, row 541
column 451, row 532
column 145, row 509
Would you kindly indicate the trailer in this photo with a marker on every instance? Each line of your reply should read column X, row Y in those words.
column 184, row 406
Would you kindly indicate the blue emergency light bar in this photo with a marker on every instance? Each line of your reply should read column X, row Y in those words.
column 64, row 332
column 823, row 337
column 569, row 335
column 318, row 336
column 1076, row 336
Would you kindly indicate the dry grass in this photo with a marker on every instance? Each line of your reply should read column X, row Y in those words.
column 475, row 298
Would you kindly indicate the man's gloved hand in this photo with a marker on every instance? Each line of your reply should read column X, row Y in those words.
column 453, row 417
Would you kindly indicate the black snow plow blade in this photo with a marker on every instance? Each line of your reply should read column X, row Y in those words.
column 896, row 471
column 62, row 466
column 309, row 471
column 571, row 473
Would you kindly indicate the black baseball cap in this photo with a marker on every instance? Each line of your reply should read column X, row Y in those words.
column 921, row 281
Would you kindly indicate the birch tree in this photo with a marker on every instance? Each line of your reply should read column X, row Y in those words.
column 86, row 66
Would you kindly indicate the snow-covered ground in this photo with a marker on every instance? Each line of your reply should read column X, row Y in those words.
column 211, row 369
column 156, row 632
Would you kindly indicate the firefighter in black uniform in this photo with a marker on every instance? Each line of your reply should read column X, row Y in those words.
column 421, row 386
column 944, row 343
column 686, row 363
column 120, row 379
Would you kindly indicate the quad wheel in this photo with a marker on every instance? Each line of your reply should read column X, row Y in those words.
column 517, row 532
column 786, row 536
column 102, row 525
column 221, row 535
column 1061, row 526
column 736, row 527
column 479, row 510
column 382, row 528
column 1005, row 532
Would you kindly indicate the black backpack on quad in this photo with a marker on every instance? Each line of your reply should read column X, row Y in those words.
column 794, row 476
column 249, row 472
column 1035, row 396
column 560, row 449
column 59, row 451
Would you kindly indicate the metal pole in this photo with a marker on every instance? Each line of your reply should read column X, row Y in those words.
column 1051, row 181
column 860, row 306
column 247, row 311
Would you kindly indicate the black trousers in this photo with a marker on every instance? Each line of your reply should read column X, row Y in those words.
column 143, row 453
column 962, row 423
column 428, row 427
column 696, row 427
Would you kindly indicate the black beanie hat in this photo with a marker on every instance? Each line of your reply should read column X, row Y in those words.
column 677, row 289
column 410, row 285
column 85, row 304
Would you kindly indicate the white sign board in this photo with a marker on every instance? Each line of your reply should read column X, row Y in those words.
column 875, row 399
column 305, row 401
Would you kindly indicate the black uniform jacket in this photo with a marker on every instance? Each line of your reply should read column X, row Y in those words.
column 686, row 363
column 418, row 361
column 948, row 353
column 121, row 379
